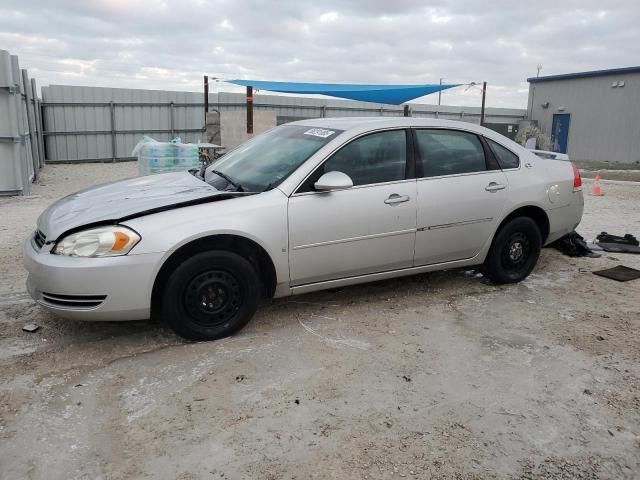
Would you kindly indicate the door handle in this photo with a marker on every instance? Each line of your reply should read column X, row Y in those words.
column 494, row 187
column 394, row 198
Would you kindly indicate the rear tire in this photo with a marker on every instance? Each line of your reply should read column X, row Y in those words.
column 211, row 295
column 514, row 252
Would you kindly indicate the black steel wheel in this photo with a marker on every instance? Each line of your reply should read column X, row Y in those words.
column 211, row 295
column 212, row 298
column 514, row 252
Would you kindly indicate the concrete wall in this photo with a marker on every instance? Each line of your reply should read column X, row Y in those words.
column 233, row 126
column 605, row 121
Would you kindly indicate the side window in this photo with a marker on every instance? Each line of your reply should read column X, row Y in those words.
column 506, row 158
column 448, row 152
column 375, row 158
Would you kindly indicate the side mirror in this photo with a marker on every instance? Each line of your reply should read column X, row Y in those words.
column 333, row 181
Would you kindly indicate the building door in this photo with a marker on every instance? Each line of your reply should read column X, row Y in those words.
column 560, row 132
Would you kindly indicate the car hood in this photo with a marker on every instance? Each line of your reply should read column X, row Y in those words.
column 123, row 199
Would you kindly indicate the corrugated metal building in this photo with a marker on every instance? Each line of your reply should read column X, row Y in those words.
column 593, row 116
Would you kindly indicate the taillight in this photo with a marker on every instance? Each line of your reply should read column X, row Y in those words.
column 577, row 179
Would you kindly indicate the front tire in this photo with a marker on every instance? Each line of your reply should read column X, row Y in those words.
column 211, row 295
column 514, row 252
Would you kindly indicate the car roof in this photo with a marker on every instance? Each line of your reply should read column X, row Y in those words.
column 352, row 127
column 358, row 125
column 364, row 123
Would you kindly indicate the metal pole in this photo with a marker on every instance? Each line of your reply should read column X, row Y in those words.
column 484, row 96
column 206, row 97
column 39, row 122
column 171, row 119
column 406, row 110
column 112, row 110
column 533, row 92
column 31, row 123
column 439, row 94
column 42, row 127
column 249, row 110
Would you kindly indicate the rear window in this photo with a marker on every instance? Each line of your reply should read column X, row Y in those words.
column 506, row 158
column 545, row 155
column 448, row 152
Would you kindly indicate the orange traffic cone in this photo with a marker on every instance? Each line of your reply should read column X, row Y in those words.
column 596, row 190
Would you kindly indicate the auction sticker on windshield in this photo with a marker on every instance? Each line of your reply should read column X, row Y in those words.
column 319, row 132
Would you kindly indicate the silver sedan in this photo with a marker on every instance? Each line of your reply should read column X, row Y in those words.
column 306, row 206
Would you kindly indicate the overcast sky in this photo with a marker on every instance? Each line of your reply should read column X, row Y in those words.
column 171, row 44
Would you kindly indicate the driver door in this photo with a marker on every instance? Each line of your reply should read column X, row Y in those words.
column 364, row 229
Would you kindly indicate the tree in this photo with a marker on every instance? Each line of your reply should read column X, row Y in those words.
column 543, row 142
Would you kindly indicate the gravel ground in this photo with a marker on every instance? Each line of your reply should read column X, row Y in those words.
column 440, row 375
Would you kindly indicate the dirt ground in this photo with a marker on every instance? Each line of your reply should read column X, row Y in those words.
column 439, row 375
column 623, row 175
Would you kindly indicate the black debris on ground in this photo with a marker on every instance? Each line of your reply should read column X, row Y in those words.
column 573, row 245
column 619, row 273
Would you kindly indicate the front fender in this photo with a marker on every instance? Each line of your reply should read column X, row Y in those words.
column 261, row 218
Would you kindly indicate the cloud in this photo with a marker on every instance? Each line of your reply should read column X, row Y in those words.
column 329, row 17
column 225, row 24
column 168, row 44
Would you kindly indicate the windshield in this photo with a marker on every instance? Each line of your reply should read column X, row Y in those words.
column 267, row 159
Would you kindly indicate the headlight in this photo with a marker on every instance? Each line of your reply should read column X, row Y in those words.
column 110, row 241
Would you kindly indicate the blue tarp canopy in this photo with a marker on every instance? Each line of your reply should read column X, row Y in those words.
column 391, row 94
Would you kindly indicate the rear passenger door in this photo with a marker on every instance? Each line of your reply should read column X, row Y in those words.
column 461, row 195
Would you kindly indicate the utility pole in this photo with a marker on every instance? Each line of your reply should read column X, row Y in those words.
column 439, row 93
column 249, row 110
column 206, row 97
column 533, row 90
column 484, row 96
